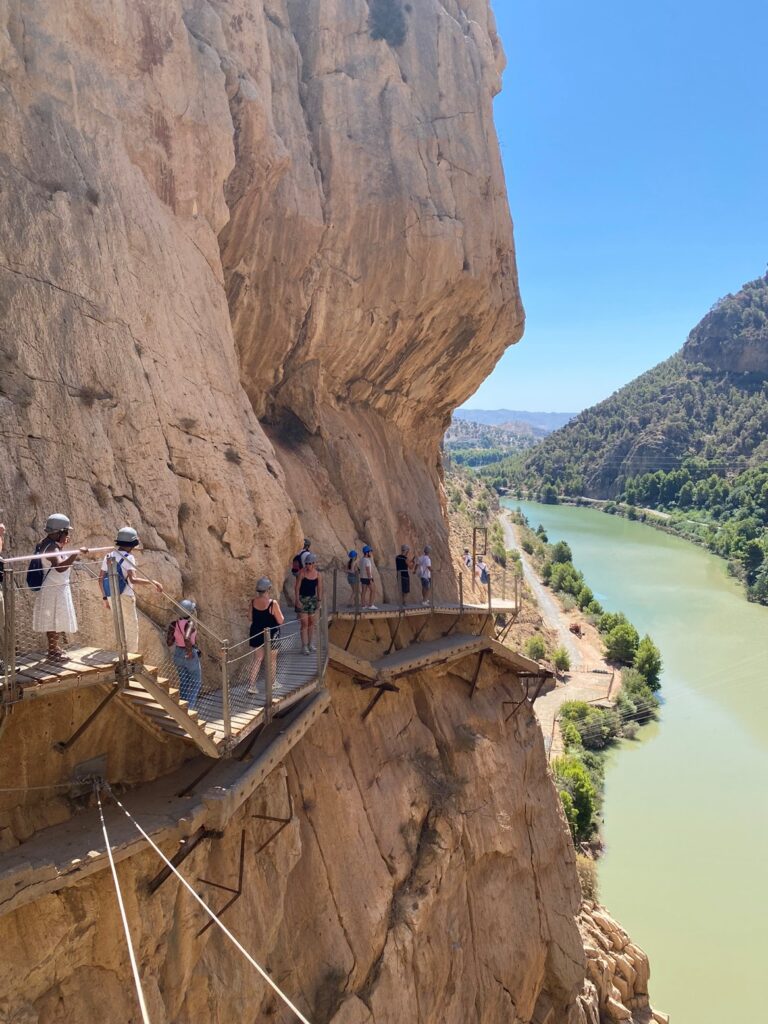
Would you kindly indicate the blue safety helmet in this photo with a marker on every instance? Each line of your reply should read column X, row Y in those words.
column 352, row 554
column 367, row 549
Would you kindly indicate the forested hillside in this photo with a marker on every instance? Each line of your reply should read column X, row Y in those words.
column 689, row 437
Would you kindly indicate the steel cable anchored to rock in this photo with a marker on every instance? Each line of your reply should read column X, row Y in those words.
column 215, row 920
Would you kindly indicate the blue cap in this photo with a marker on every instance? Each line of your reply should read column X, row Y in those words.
column 352, row 554
column 367, row 550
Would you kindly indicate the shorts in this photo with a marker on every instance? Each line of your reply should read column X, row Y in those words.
column 365, row 582
column 405, row 584
column 352, row 579
column 309, row 605
column 256, row 640
column 425, row 583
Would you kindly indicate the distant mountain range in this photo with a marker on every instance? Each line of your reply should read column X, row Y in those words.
column 542, row 421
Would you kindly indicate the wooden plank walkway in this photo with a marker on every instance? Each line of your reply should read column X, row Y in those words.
column 394, row 611
column 296, row 676
column 429, row 653
column 83, row 666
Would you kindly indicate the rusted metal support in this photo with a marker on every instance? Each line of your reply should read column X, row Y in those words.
column 335, row 596
column 451, row 627
column 397, row 630
column 480, row 659
column 282, row 822
column 186, row 846
column 542, row 680
column 197, row 779
column 352, row 631
column 64, row 745
column 382, row 688
column 461, row 593
column 236, row 893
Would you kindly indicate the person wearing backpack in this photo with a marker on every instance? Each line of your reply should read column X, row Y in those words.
column 127, row 579
column 181, row 635
column 483, row 573
column 54, row 610
column 423, row 566
column 299, row 561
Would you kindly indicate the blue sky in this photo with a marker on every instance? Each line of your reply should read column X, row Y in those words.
column 635, row 146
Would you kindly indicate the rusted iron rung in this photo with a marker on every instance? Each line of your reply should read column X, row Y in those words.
column 185, row 848
column 236, row 893
column 64, row 745
column 282, row 822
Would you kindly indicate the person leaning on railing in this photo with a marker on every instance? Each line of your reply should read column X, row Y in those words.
column 182, row 637
column 54, row 610
column 126, row 543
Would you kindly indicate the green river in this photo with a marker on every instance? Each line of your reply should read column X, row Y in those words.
column 686, row 827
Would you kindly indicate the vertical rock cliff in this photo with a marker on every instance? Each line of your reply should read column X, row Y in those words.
column 252, row 254
column 216, row 213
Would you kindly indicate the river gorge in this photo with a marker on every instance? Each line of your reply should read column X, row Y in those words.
column 684, row 816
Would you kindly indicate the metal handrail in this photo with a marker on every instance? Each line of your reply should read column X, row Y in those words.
column 59, row 554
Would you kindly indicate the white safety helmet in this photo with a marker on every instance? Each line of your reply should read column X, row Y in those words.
column 126, row 535
column 427, row 549
column 189, row 606
column 310, row 559
column 263, row 585
column 404, row 549
column 57, row 522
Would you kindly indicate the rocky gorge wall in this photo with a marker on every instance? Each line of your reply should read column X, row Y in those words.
column 251, row 257
column 426, row 876
column 221, row 212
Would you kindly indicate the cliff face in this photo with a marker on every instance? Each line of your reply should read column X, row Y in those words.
column 426, row 875
column 216, row 211
column 253, row 254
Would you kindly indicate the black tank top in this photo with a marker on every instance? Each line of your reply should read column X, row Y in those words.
column 308, row 588
column 262, row 618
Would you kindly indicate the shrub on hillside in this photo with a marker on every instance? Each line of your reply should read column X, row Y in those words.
column 561, row 552
column 621, row 644
column 561, row 659
column 647, row 661
column 536, row 648
column 610, row 619
column 572, row 779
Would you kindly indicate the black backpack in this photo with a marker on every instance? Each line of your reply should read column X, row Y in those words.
column 297, row 565
column 35, row 572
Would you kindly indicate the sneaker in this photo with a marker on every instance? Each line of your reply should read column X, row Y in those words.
column 312, row 648
column 373, row 607
column 425, row 602
column 305, row 649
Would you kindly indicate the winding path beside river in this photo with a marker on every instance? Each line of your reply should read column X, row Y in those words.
column 686, row 827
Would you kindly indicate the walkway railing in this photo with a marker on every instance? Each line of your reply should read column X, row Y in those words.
column 63, row 625
column 447, row 590
column 226, row 687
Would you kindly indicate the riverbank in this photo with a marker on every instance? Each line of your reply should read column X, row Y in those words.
column 685, row 843
column 590, row 677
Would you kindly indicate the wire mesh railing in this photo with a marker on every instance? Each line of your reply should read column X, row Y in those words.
column 63, row 622
column 227, row 685
column 443, row 588
column 54, row 617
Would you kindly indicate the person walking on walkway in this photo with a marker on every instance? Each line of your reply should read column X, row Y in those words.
column 127, row 580
column 299, row 561
column 54, row 611
column 366, row 578
column 403, row 575
column 353, row 577
column 2, row 574
column 266, row 614
column 308, row 592
column 423, row 566
column 182, row 637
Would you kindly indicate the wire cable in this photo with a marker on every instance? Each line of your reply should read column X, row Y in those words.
column 238, row 945
column 131, row 954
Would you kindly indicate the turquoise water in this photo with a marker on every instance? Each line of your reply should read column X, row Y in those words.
column 686, row 822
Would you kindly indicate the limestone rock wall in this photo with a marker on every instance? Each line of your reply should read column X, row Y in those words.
column 219, row 211
column 426, row 875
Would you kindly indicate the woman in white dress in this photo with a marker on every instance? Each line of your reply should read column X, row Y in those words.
column 54, row 611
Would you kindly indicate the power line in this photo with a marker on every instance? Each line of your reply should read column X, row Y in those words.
column 131, row 954
column 238, row 945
